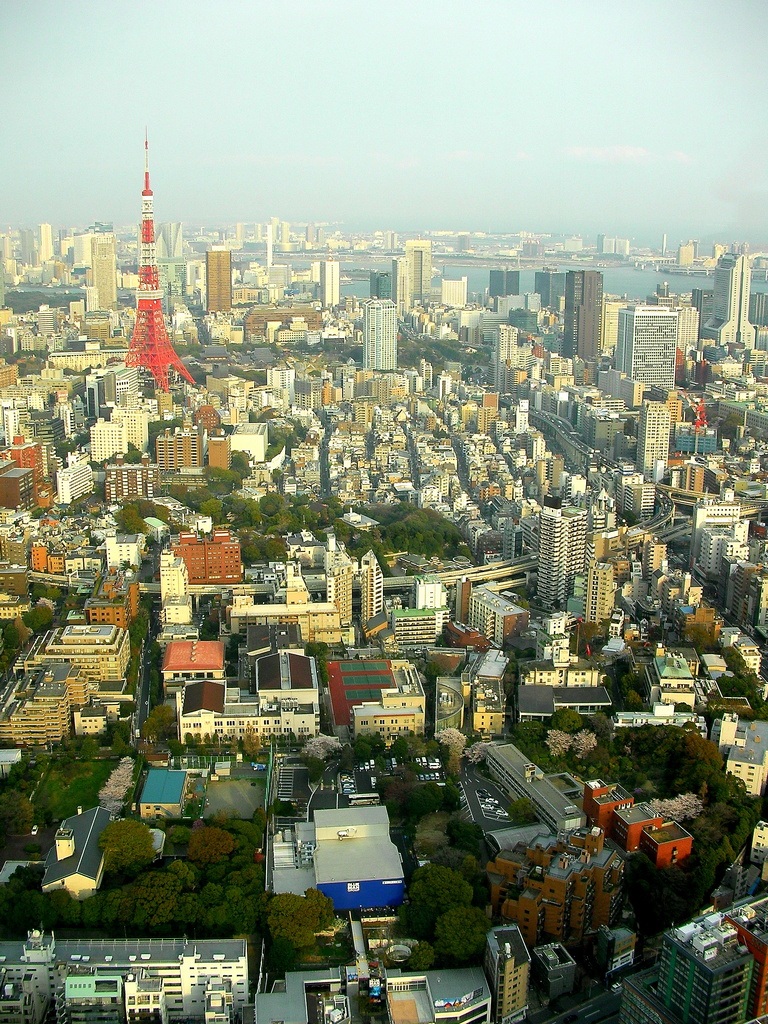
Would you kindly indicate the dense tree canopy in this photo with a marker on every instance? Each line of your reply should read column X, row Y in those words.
column 127, row 846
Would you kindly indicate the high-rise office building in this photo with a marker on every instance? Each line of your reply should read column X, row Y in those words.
column 503, row 282
column 170, row 241
column 551, row 287
column 646, row 347
column 562, row 550
column 218, row 280
column 653, row 440
column 687, row 328
column 758, row 309
column 704, row 976
column 104, row 269
column 379, row 335
column 330, row 287
column 418, row 255
column 401, row 289
column 729, row 322
column 583, row 314
column 380, row 284
column 454, row 293
column 45, row 248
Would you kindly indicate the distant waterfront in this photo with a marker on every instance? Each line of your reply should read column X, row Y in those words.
column 624, row 282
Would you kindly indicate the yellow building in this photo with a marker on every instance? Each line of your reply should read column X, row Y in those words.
column 101, row 652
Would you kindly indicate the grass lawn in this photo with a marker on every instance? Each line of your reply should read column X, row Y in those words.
column 67, row 787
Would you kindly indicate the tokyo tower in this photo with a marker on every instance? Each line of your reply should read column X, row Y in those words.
column 150, row 345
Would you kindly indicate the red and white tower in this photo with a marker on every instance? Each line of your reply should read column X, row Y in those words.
column 150, row 346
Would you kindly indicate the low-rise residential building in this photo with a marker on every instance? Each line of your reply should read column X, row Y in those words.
column 668, row 679
column 101, row 652
column 539, row 703
column 115, row 600
column 37, row 708
column 635, row 826
column 557, row 886
column 75, row 862
column 660, row 714
column 575, row 672
column 554, row 969
column 744, row 746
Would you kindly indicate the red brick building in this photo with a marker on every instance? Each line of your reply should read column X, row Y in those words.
column 214, row 559
column 635, row 826
column 130, row 480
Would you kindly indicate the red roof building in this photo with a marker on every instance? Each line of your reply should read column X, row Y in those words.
column 188, row 660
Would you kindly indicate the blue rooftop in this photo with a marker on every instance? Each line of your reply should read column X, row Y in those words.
column 163, row 786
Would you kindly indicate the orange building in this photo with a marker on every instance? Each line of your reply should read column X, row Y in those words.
column 751, row 922
column 558, row 888
column 214, row 559
column 114, row 602
column 634, row 826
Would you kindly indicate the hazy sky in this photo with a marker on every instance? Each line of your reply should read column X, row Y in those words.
column 631, row 117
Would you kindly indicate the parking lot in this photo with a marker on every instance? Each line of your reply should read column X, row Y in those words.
column 237, row 798
column 485, row 802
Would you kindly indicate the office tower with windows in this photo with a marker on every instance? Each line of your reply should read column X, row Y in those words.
column 562, row 550
column 583, row 314
column 551, row 287
column 170, row 241
column 653, row 440
column 104, row 269
column 45, row 248
column 379, row 335
column 218, row 279
column 380, row 284
column 729, row 322
column 400, row 285
column 330, row 287
column 646, row 347
column 418, row 256
column 503, row 282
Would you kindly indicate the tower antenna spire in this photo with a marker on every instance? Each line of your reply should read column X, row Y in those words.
column 150, row 346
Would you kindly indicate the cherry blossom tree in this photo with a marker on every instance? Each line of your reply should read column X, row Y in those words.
column 558, row 742
column 322, row 747
column 679, row 808
column 112, row 794
column 477, row 752
column 584, row 742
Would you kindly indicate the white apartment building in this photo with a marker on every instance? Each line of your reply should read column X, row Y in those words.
column 562, row 550
column 379, row 335
column 744, row 746
column 75, row 480
column 653, row 440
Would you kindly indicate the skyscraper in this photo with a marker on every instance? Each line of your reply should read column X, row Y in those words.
column 583, row 314
column 379, row 335
column 551, row 287
column 218, row 280
column 503, row 282
column 380, row 284
column 330, row 288
column 646, row 348
column 401, row 289
column 600, row 592
column 729, row 322
column 104, row 269
column 45, row 233
column 372, row 581
column 170, row 241
column 562, row 550
column 418, row 255
column 653, row 440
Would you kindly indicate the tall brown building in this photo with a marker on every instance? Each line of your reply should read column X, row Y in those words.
column 179, row 449
column 17, row 486
column 206, row 416
column 218, row 280
column 583, row 313
column 213, row 559
column 219, row 451
column 130, row 480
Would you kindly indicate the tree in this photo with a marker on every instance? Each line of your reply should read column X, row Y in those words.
column 558, row 742
column 39, row 618
column 584, row 742
column 400, row 749
column 179, row 835
column 566, row 719
column 477, row 752
column 322, row 746
column 422, row 957
column 160, row 724
column 460, row 934
column 209, row 845
column 522, row 811
column 127, row 846
column 16, row 813
column 679, row 808
column 315, row 768
column 296, row 919
column 112, row 794
column 438, row 889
